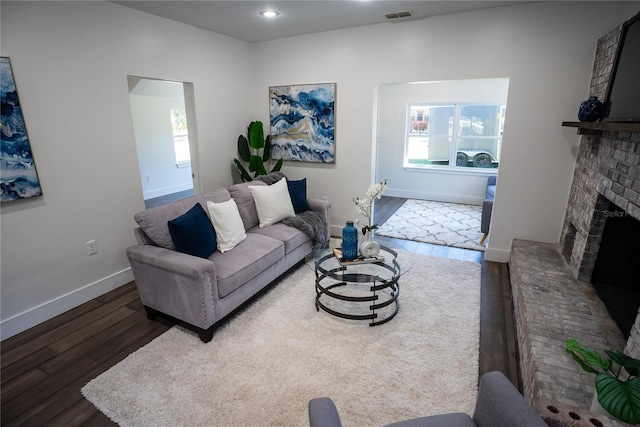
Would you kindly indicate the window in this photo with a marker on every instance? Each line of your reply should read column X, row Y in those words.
column 180, row 138
column 454, row 135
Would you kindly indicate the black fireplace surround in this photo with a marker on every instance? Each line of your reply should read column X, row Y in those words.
column 616, row 273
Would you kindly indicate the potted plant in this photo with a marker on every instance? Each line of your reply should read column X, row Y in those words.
column 617, row 383
column 255, row 151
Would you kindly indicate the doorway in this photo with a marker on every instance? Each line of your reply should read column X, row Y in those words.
column 164, row 128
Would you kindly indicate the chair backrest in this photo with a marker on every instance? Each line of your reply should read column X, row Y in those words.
column 499, row 404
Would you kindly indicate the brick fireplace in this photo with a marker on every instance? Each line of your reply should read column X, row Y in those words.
column 606, row 179
column 553, row 298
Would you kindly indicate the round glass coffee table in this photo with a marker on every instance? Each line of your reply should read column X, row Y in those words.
column 360, row 290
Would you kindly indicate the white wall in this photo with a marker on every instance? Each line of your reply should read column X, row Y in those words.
column 461, row 186
column 150, row 107
column 546, row 49
column 71, row 61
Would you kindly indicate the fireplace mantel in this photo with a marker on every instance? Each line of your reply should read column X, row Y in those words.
column 595, row 128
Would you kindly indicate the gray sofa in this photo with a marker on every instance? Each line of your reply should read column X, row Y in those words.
column 487, row 206
column 198, row 292
column 498, row 405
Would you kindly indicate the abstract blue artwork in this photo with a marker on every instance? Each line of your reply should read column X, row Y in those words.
column 18, row 176
column 302, row 121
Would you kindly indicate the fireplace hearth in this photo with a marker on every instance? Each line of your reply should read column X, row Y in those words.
column 550, row 306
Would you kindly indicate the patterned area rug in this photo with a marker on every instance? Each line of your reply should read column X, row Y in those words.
column 440, row 223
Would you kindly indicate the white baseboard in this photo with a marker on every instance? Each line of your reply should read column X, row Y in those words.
column 48, row 310
column 437, row 197
column 151, row 194
column 496, row 255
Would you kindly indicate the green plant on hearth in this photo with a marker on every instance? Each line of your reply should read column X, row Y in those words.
column 255, row 151
column 617, row 383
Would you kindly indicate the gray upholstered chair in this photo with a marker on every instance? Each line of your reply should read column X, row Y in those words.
column 487, row 206
column 498, row 405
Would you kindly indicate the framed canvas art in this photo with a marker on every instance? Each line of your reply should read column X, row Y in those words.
column 302, row 121
column 18, row 176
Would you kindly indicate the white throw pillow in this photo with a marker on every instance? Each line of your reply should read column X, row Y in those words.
column 227, row 223
column 273, row 202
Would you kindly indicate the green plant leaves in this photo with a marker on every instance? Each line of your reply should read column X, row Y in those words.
column 266, row 154
column 243, row 172
column 249, row 151
column 587, row 358
column 256, row 165
column 243, row 148
column 631, row 365
column 278, row 166
column 620, row 398
column 256, row 135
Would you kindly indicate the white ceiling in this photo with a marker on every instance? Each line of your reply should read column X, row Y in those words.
column 240, row 19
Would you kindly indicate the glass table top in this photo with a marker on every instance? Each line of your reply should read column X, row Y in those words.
column 396, row 262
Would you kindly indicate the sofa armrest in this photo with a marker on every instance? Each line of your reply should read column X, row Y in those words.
column 499, row 404
column 174, row 283
column 323, row 413
column 173, row 262
column 322, row 206
column 485, row 221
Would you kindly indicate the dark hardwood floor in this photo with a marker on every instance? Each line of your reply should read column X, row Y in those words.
column 44, row 368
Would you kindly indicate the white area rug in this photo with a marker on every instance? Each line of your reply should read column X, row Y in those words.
column 440, row 223
column 263, row 366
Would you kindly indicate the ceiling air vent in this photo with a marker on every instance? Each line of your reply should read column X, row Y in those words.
column 399, row 15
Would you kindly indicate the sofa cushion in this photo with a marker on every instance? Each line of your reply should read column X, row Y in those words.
column 154, row 221
column 192, row 233
column 250, row 258
column 273, row 202
column 227, row 223
column 246, row 205
column 298, row 193
column 291, row 237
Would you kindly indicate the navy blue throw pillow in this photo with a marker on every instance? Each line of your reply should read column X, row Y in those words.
column 298, row 194
column 193, row 233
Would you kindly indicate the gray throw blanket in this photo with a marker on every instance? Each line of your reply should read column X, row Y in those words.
column 310, row 223
column 270, row 178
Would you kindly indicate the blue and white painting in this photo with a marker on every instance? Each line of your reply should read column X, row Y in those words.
column 303, row 122
column 18, row 176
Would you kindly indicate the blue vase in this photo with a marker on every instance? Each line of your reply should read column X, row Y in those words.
column 349, row 241
column 590, row 110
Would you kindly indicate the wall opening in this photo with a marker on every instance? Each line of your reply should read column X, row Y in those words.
column 163, row 120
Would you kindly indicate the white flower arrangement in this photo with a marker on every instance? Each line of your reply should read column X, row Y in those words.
column 364, row 206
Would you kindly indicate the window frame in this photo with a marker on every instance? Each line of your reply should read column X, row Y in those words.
column 179, row 160
column 455, row 137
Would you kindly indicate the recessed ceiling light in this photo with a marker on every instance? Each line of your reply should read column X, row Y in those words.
column 269, row 13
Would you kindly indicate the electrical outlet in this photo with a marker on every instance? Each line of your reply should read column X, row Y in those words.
column 148, row 178
column 92, row 247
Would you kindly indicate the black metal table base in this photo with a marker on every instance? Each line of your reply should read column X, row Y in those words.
column 377, row 291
